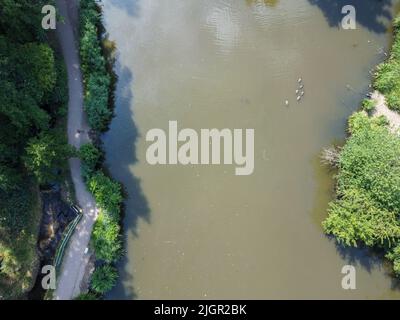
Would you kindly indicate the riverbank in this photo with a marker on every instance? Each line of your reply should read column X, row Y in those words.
column 367, row 206
column 99, row 80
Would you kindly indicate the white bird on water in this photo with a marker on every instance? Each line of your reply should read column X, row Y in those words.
column 287, row 102
column 298, row 98
column 300, row 80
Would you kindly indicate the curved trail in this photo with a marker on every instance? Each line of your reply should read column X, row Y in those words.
column 75, row 260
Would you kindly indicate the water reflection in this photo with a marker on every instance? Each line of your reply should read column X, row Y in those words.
column 225, row 24
column 131, row 6
column 268, row 3
column 372, row 14
column 136, row 202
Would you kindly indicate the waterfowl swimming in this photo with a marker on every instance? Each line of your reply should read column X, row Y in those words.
column 287, row 102
column 300, row 80
column 298, row 98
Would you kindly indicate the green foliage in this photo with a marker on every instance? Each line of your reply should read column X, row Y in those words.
column 15, row 210
column 396, row 50
column 360, row 120
column 367, row 207
column 23, row 87
column 96, row 101
column 396, row 24
column 96, row 77
column 20, row 216
column 355, row 218
column 106, row 238
column 393, row 100
column 57, row 100
column 368, row 105
column 40, row 68
column 10, row 178
column 91, row 158
column 46, row 154
column 21, row 19
column 32, row 99
column 381, row 121
column 387, row 77
column 394, row 256
column 87, row 296
column 108, row 193
column 104, row 279
column 370, row 161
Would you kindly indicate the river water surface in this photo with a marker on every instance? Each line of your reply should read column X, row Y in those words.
column 201, row 231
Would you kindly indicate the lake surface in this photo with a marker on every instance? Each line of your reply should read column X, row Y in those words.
column 201, row 231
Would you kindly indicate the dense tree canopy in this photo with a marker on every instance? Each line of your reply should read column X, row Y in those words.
column 20, row 20
column 33, row 148
column 45, row 155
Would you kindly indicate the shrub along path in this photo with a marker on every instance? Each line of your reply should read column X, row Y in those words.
column 70, row 278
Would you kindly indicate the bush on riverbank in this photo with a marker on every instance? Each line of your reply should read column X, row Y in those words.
column 367, row 208
column 387, row 76
column 106, row 234
column 91, row 160
column 368, row 105
column 98, row 81
column 104, row 279
column 96, row 78
column 106, row 239
column 108, row 193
